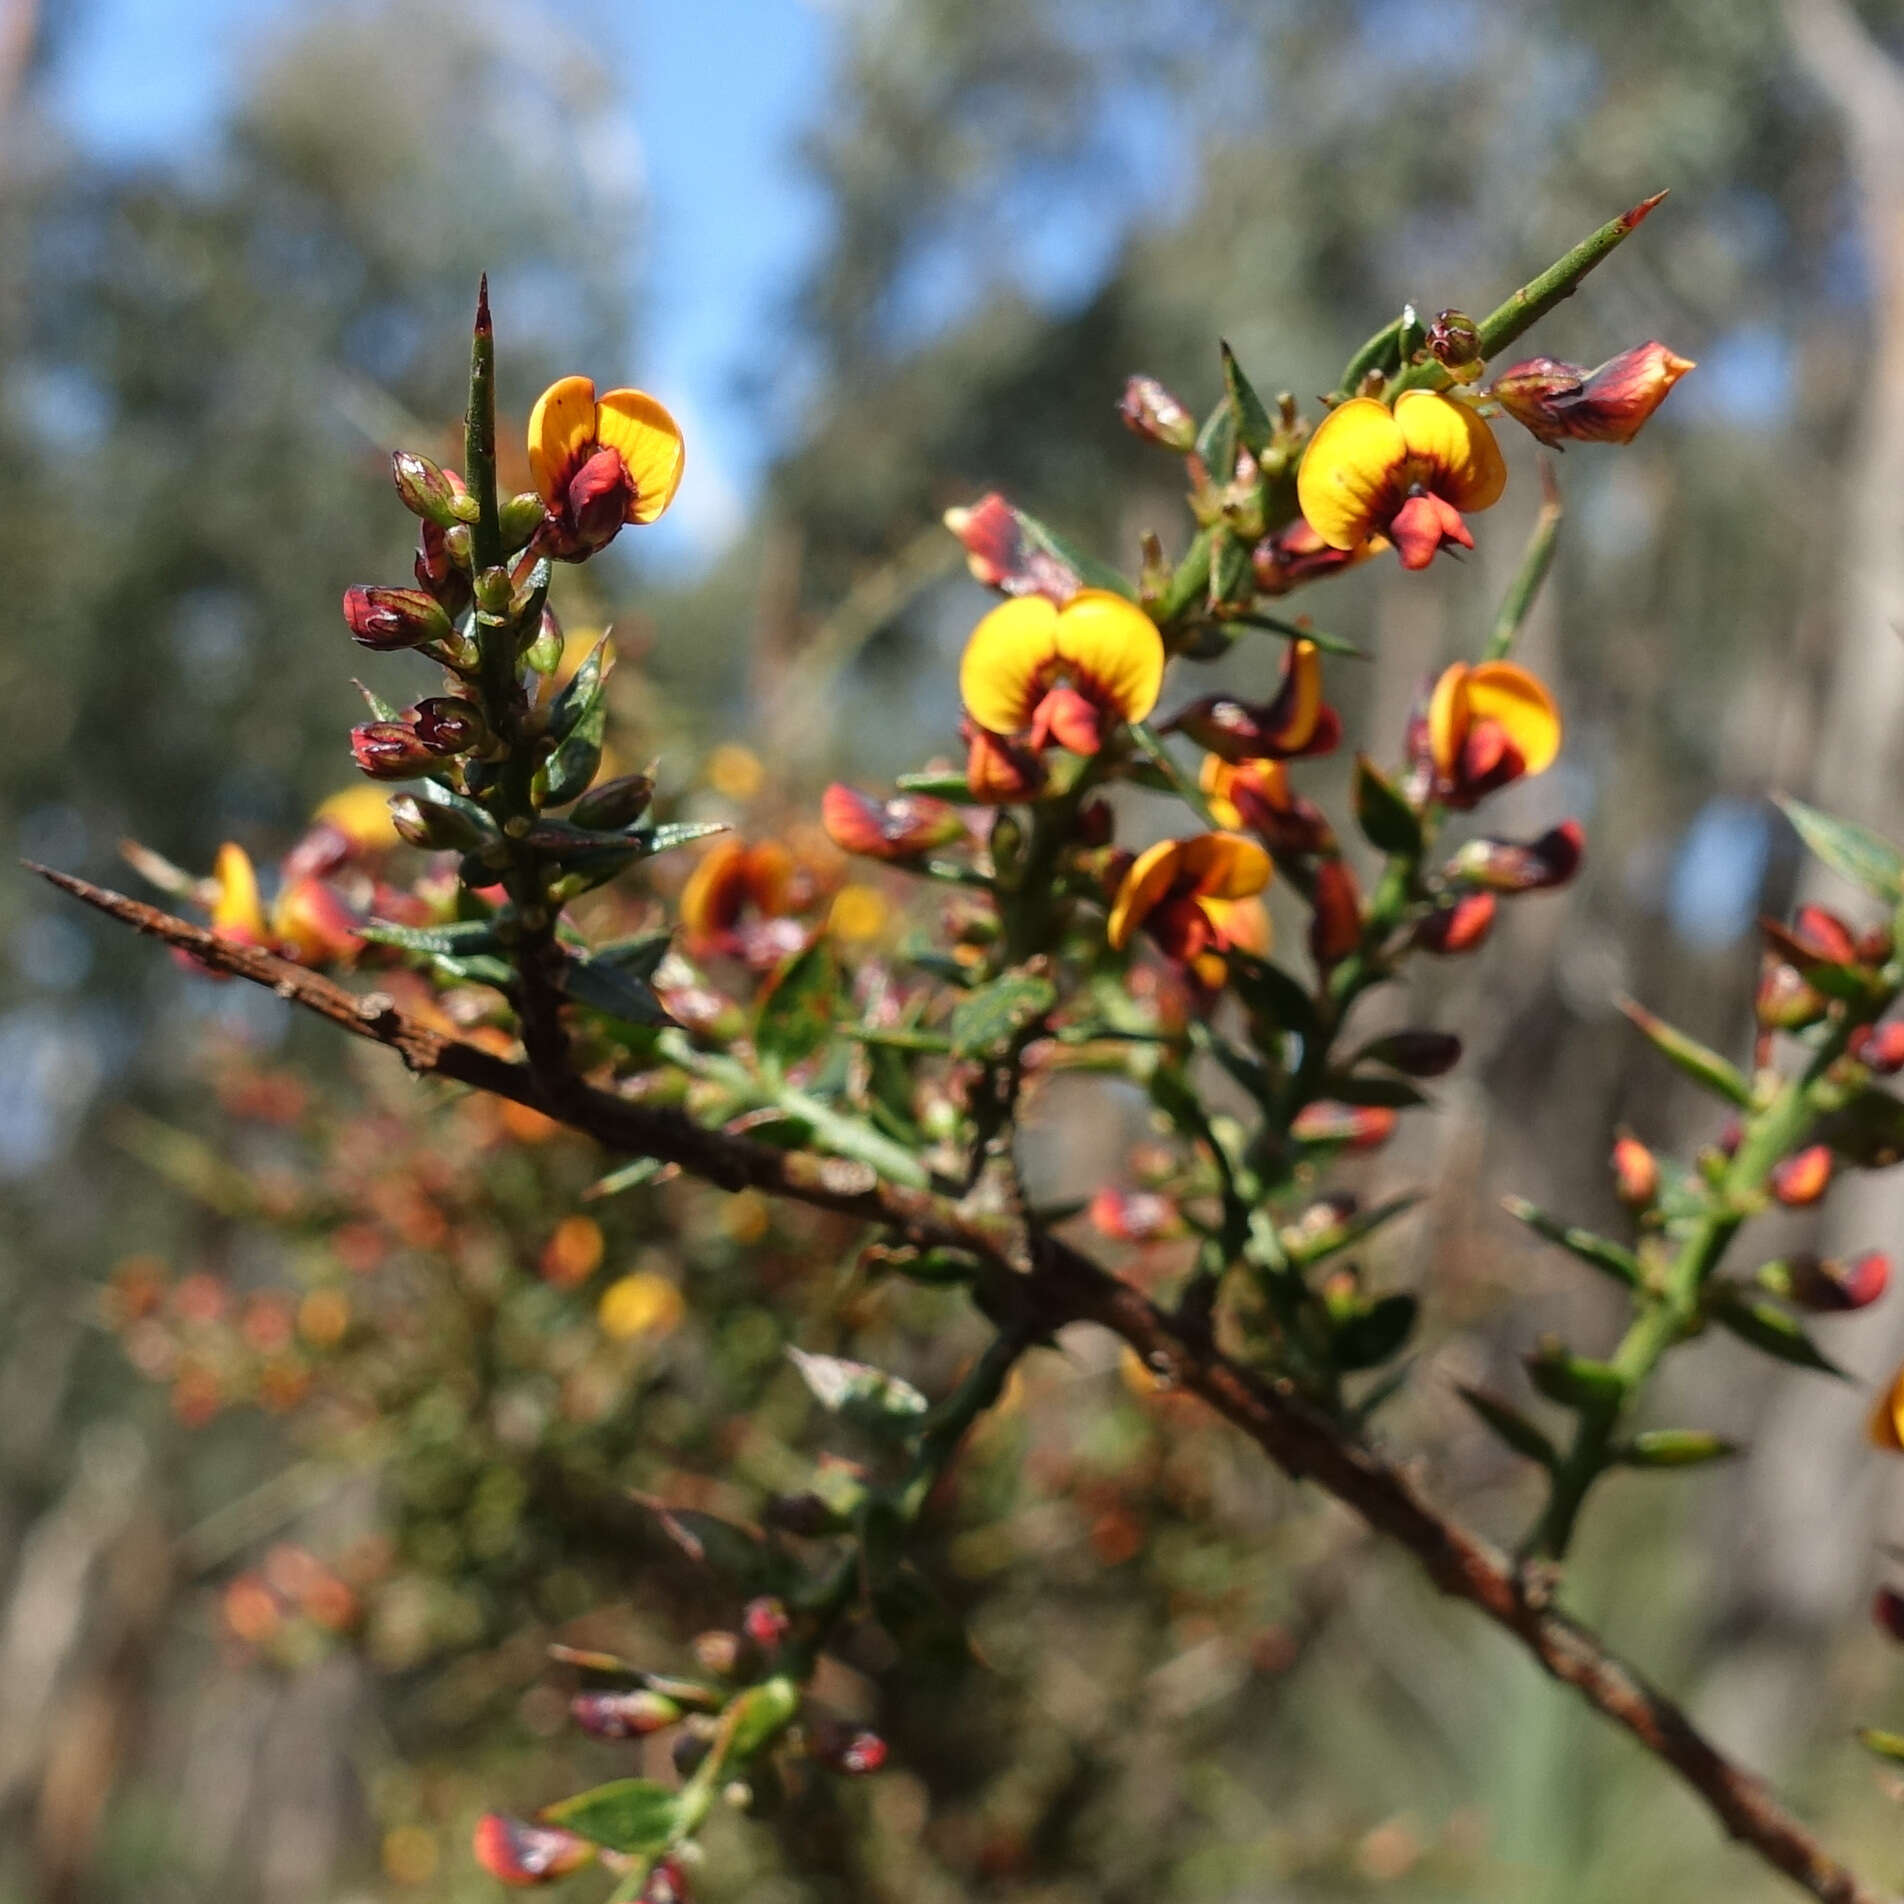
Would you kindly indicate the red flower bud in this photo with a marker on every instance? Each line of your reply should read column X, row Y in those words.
column 896, row 829
column 389, row 750
column 520, row 1854
column 1887, row 1609
column 599, row 495
column 1004, row 554
column 1802, row 1179
column 765, row 1622
column 1608, row 405
column 447, row 726
column 1832, row 1287
column 1335, row 930
column 1134, row 1216
column 667, row 1884
column 1459, row 926
column 1354, row 1126
column 1454, row 340
column 845, row 1748
column 999, row 771
column 393, row 618
column 1158, row 417
column 1880, row 1046
column 1635, row 1173
column 1825, row 936
column 1518, row 866
column 1784, row 1002
column 623, row 1715
column 1296, row 555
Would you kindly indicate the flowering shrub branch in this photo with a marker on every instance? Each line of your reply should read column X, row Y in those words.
column 767, row 1040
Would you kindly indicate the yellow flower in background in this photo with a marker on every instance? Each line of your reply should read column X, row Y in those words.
column 858, row 913
column 640, row 1304
column 735, row 772
column 237, row 911
column 1408, row 473
column 1063, row 674
column 598, row 463
column 362, row 815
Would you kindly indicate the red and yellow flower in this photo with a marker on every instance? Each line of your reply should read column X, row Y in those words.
column 309, row 921
column 1409, row 473
column 1297, row 721
column 1256, row 794
column 1197, row 898
column 1067, row 674
column 1487, row 725
column 738, row 899
column 598, row 463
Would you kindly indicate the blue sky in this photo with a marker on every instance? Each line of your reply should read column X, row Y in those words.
column 142, row 81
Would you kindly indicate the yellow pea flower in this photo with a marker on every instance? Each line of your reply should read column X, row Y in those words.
column 598, row 463
column 1408, row 474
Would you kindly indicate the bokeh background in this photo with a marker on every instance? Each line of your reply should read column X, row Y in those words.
column 881, row 255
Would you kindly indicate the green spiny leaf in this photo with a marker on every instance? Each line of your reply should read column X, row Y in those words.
column 1596, row 1251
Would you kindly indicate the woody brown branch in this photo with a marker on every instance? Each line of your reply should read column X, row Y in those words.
column 1062, row 1286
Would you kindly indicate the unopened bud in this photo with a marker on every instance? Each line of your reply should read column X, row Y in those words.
column 766, row 1622
column 388, row 750
column 896, row 829
column 1519, row 866
column 429, row 491
column 845, row 1748
column 667, row 1884
column 1459, row 926
column 520, row 1854
column 1335, row 929
column 494, row 590
column 435, row 828
column 543, row 655
column 1635, row 1173
column 519, row 518
column 1355, row 1126
column 623, row 1715
column 1153, row 413
column 448, row 726
column 718, row 1651
column 1784, row 1002
column 1454, row 340
column 1802, row 1179
column 615, row 803
column 1134, row 1216
column 393, row 618
column 1559, row 401
column 1880, row 1046
column 1828, row 1286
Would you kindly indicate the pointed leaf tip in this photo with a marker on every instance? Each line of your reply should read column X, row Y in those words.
column 1639, row 213
column 482, row 304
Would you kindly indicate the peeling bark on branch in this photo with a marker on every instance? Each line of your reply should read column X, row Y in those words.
column 1063, row 1286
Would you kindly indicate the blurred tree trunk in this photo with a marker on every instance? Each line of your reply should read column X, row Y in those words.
column 1805, row 1539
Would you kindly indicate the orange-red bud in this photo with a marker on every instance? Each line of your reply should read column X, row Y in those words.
column 1003, row 554
column 1153, row 413
column 1354, row 1126
column 1802, row 1179
column 1559, row 401
column 1459, row 926
column 1335, row 930
column 895, row 829
column 1635, row 1173
column 521, row 1854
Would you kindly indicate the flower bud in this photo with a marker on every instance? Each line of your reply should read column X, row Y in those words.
column 718, row 1651
column 1887, row 1609
column 845, row 1748
column 388, row 750
column 430, row 492
column 543, row 655
column 494, row 590
column 667, row 1884
column 615, row 803
column 392, row 618
column 1519, row 866
column 1153, row 413
column 896, row 829
column 1454, row 340
column 1784, row 1002
column 623, row 1715
column 312, row 925
column 999, row 771
column 521, row 1854
column 1831, row 1287
column 765, row 1622
column 436, row 574
column 1003, row 554
column 1880, row 1046
column 1559, row 401
column 1134, row 1216
column 1459, row 926
column 1635, row 1173
column 519, row 518
column 1802, row 1179
column 1354, row 1126
column 1335, row 929
column 435, row 828
column 448, row 726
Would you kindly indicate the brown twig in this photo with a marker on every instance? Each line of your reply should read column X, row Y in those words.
column 1063, row 1285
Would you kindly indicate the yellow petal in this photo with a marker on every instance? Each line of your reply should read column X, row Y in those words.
column 362, row 815
column 1244, row 924
column 1519, row 701
column 1448, row 718
column 651, row 449
column 1151, row 876
column 561, row 427
column 1886, row 1428
column 1457, row 446
column 1350, row 480
column 1214, row 780
column 237, row 908
column 1224, row 866
column 712, row 895
column 1112, row 650
column 1002, row 672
